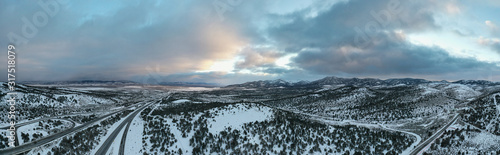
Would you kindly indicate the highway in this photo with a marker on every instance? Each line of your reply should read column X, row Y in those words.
column 422, row 146
column 38, row 120
column 109, row 141
column 35, row 121
column 124, row 139
column 28, row 122
column 124, row 136
column 28, row 146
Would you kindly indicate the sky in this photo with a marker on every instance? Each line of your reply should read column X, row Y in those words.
column 235, row 41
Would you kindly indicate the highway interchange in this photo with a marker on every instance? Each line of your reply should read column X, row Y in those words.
column 31, row 145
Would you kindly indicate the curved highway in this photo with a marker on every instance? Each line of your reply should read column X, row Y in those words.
column 422, row 146
column 107, row 144
column 28, row 146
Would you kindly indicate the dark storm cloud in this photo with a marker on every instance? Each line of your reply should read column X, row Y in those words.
column 388, row 57
column 330, row 43
column 337, row 25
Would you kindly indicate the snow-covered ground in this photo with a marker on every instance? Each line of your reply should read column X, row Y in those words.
column 473, row 141
column 409, row 149
column 231, row 116
column 496, row 103
column 92, row 88
column 368, row 125
column 428, row 90
column 425, row 125
column 485, row 140
column 181, row 101
column 45, row 130
column 133, row 143
column 462, row 92
column 236, row 116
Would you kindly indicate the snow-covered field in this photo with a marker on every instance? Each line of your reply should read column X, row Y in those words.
column 235, row 116
column 42, row 129
column 231, row 116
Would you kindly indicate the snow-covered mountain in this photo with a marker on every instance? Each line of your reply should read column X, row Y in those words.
column 266, row 84
column 332, row 80
column 477, row 82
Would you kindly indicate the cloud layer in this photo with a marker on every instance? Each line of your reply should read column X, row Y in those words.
column 265, row 40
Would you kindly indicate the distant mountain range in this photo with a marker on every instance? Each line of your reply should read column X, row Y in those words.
column 366, row 82
column 189, row 84
column 118, row 83
column 81, row 82
column 332, row 80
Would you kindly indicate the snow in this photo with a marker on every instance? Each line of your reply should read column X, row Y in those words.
column 409, row 149
column 181, row 101
column 425, row 125
column 133, row 145
column 196, row 88
column 315, row 95
column 182, row 142
column 462, row 91
column 233, row 116
column 92, row 88
column 38, row 99
column 368, row 125
column 498, row 106
column 485, row 140
column 428, row 90
column 236, row 116
column 27, row 129
column 33, row 128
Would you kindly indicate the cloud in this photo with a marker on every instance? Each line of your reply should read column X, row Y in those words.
column 453, row 7
column 492, row 27
column 344, row 22
column 389, row 58
column 493, row 43
column 257, row 57
column 120, row 40
column 385, row 51
column 123, row 39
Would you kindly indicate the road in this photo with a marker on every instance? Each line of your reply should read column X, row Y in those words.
column 409, row 149
column 328, row 120
column 28, row 146
column 124, row 139
column 18, row 125
column 421, row 148
column 124, row 136
column 31, row 122
column 109, row 141
column 28, row 122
